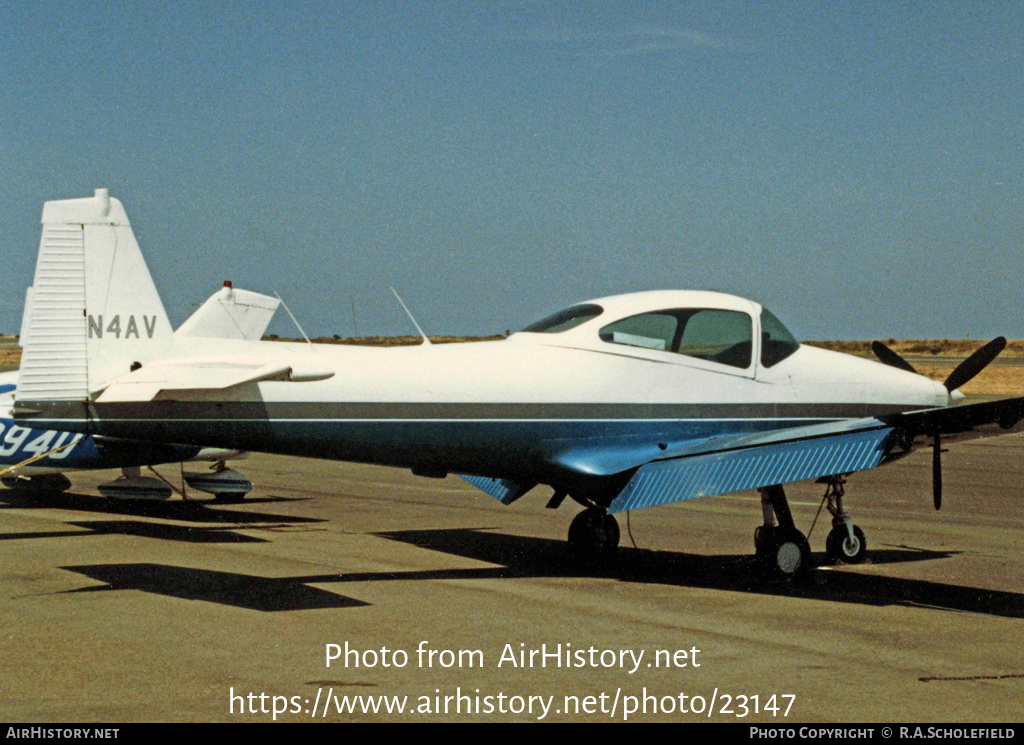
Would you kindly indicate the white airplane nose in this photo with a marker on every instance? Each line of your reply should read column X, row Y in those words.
column 956, row 397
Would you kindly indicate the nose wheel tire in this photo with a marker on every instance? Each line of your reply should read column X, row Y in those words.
column 840, row 548
column 593, row 536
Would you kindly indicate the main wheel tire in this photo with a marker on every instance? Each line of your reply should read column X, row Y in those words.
column 841, row 549
column 593, row 536
column 789, row 553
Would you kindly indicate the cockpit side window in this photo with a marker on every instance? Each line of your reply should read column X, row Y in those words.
column 776, row 341
column 566, row 319
column 723, row 336
column 650, row 331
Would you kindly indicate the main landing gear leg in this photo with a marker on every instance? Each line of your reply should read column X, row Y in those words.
column 593, row 536
column 782, row 547
column 845, row 543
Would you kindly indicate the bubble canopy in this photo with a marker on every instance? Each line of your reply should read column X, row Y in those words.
column 705, row 325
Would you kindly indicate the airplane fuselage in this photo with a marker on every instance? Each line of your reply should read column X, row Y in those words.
column 535, row 407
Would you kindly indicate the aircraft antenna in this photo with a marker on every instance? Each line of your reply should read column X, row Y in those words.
column 294, row 320
column 425, row 339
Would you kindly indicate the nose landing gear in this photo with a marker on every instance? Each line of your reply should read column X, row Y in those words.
column 845, row 543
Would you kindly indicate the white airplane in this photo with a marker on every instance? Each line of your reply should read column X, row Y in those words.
column 620, row 403
column 37, row 460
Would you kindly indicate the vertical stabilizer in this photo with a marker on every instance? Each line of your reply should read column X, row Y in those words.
column 94, row 310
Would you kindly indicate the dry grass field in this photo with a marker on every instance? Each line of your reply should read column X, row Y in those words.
column 922, row 347
column 10, row 356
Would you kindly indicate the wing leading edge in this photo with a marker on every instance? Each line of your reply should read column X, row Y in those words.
column 963, row 422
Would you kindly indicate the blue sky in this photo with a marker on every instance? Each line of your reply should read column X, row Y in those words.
column 854, row 166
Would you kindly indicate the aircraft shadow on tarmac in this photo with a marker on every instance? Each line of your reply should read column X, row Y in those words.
column 187, row 511
column 519, row 557
column 225, row 588
column 537, row 557
column 184, row 533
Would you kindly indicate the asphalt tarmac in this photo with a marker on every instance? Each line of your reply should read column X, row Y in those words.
column 432, row 596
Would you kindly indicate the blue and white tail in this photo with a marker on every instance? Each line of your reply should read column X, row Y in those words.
column 93, row 311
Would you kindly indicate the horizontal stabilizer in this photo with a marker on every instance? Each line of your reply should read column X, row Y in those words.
column 147, row 383
column 680, row 479
column 231, row 314
column 136, row 487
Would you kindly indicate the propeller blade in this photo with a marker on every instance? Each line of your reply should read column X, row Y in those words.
column 889, row 357
column 975, row 364
column 937, row 471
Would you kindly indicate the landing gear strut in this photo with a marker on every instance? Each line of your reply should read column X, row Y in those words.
column 845, row 542
column 782, row 547
column 593, row 536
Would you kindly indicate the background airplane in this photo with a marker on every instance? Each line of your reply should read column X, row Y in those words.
column 38, row 460
column 619, row 403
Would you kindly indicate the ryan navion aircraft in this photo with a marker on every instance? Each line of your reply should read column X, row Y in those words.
column 619, row 403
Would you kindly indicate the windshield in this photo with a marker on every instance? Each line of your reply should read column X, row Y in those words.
column 776, row 341
column 566, row 319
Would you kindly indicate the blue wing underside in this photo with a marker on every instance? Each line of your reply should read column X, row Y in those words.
column 750, row 461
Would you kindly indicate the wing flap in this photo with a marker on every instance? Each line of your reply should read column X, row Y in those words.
column 680, row 479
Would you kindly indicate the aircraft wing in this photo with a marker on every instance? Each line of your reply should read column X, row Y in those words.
column 779, row 458
column 717, row 465
column 732, row 463
column 963, row 422
column 505, row 491
column 811, row 452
